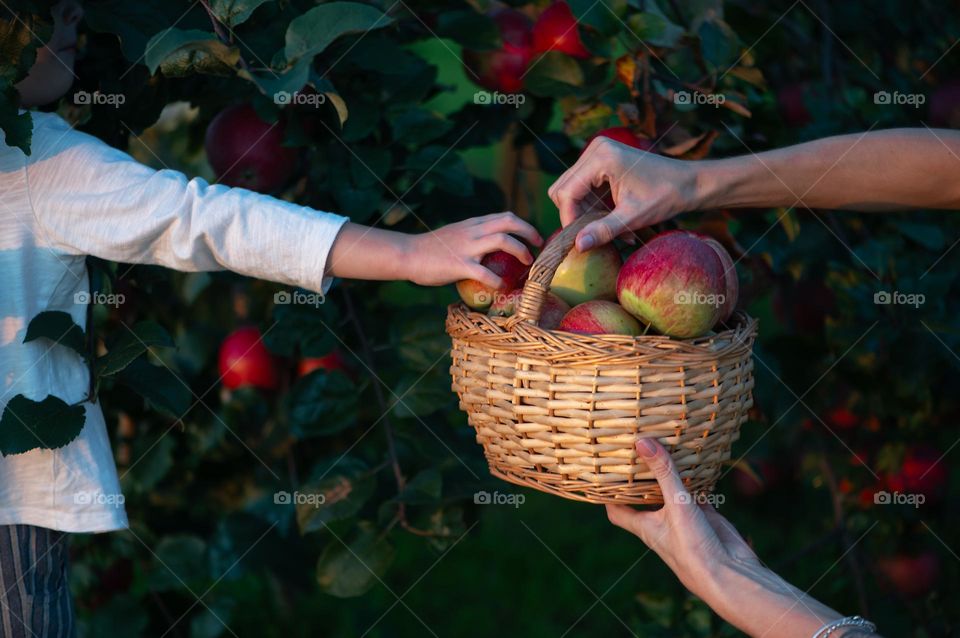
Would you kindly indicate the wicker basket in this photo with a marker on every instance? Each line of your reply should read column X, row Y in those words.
column 560, row 412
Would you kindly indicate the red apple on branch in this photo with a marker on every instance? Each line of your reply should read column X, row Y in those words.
column 911, row 576
column 503, row 70
column 245, row 151
column 333, row 361
column 923, row 472
column 245, row 361
column 556, row 30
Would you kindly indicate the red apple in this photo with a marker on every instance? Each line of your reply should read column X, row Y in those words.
column 245, row 151
column 842, row 418
column 583, row 276
column 509, row 268
column 552, row 312
column 245, row 361
column 329, row 362
column 945, row 105
column 730, row 278
column 922, row 472
column 556, row 30
column 792, row 106
column 674, row 282
column 503, row 70
column 599, row 317
column 911, row 576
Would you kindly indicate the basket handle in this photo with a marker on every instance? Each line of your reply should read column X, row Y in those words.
column 543, row 269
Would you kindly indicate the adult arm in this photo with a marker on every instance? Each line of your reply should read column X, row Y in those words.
column 713, row 561
column 874, row 171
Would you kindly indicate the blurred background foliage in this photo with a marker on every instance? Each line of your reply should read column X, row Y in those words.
column 851, row 396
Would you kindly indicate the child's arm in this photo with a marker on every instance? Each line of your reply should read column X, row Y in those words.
column 91, row 199
column 438, row 257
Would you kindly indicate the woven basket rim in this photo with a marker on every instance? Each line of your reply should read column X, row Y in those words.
column 500, row 334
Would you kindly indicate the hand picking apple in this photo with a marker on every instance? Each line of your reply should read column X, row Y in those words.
column 872, row 171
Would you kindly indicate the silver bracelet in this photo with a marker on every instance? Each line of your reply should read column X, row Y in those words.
column 850, row 621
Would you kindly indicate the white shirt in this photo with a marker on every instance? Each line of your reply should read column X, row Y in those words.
column 76, row 196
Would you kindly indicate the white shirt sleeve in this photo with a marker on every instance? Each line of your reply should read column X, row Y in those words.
column 91, row 199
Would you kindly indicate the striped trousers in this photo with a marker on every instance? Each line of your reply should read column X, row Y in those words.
column 35, row 597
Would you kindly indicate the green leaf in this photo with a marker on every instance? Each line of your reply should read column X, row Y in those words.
column 302, row 327
column 930, row 236
column 442, row 167
column 234, row 12
column 58, row 327
column 719, row 43
column 346, row 483
column 180, row 561
column 322, row 403
column 418, row 126
column 133, row 23
column 131, row 344
column 178, row 53
column 17, row 127
column 554, row 74
column 606, row 17
column 48, row 424
column 425, row 488
column 158, row 385
column 475, row 31
column 653, row 27
column 312, row 32
column 347, row 572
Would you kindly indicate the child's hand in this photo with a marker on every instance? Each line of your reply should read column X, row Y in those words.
column 454, row 252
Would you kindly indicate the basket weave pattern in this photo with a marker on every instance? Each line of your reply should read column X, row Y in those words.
column 560, row 412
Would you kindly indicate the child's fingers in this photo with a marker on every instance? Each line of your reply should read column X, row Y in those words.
column 506, row 243
column 485, row 276
column 510, row 223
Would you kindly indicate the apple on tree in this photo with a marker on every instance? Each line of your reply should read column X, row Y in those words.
column 247, row 152
column 556, row 30
column 600, row 317
column 245, row 361
column 503, row 70
column 912, row 576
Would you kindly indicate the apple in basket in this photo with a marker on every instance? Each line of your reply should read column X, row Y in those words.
column 600, row 317
column 730, row 279
column 552, row 311
column 591, row 274
column 676, row 283
column 513, row 272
